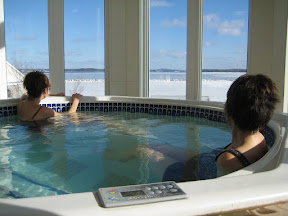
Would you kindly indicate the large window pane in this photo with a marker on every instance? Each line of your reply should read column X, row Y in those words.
column 168, row 49
column 84, row 47
column 225, row 35
column 26, row 36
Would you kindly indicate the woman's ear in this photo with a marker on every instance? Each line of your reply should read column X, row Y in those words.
column 45, row 92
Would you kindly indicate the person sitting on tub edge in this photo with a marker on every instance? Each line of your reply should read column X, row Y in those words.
column 251, row 101
column 37, row 85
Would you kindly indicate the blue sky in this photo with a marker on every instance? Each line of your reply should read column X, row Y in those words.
column 225, row 28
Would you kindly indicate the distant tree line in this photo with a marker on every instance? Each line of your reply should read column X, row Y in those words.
column 166, row 70
column 203, row 70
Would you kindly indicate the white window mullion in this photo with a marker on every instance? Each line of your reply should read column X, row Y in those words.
column 3, row 74
column 56, row 46
column 144, row 34
column 194, row 50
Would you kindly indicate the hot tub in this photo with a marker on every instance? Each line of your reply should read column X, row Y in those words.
column 262, row 183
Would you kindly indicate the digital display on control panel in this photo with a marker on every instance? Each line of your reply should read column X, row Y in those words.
column 132, row 193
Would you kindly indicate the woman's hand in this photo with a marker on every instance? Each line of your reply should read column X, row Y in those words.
column 76, row 96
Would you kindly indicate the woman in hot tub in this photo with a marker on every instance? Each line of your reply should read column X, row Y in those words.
column 251, row 101
column 37, row 85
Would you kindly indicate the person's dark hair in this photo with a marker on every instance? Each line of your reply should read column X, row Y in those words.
column 251, row 101
column 35, row 82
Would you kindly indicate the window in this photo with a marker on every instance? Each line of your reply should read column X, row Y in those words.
column 84, row 47
column 168, row 37
column 26, row 38
column 224, row 53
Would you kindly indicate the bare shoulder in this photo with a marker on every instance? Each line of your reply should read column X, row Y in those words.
column 256, row 151
column 229, row 161
column 45, row 113
column 252, row 151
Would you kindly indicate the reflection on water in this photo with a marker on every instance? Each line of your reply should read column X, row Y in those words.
column 85, row 151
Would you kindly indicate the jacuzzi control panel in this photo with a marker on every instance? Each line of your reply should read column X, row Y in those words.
column 140, row 194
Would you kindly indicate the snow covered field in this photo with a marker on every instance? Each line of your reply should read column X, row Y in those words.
column 212, row 90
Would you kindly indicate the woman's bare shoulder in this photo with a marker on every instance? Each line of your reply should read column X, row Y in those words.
column 45, row 113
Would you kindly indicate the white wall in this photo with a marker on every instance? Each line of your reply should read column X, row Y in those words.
column 122, row 47
column 267, row 42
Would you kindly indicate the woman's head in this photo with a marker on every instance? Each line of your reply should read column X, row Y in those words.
column 35, row 82
column 251, row 101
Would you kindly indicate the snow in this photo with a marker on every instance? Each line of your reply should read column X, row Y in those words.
column 212, row 90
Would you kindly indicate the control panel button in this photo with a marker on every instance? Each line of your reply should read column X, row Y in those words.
column 158, row 192
column 162, row 187
column 173, row 190
column 155, row 188
column 148, row 188
column 151, row 192
column 169, row 186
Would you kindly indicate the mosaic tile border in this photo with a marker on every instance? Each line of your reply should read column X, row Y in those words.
column 154, row 109
column 8, row 111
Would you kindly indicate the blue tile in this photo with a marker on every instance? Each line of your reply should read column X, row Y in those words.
column 173, row 112
column 155, row 111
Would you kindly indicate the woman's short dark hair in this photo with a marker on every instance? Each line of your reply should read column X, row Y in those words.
column 251, row 101
column 35, row 82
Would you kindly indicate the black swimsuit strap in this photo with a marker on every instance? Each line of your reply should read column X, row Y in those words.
column 36, row 112
column 237, row 154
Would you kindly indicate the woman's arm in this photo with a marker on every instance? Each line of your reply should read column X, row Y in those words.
column 75, row 101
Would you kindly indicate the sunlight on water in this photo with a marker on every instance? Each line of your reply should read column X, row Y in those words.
column 85, row 151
